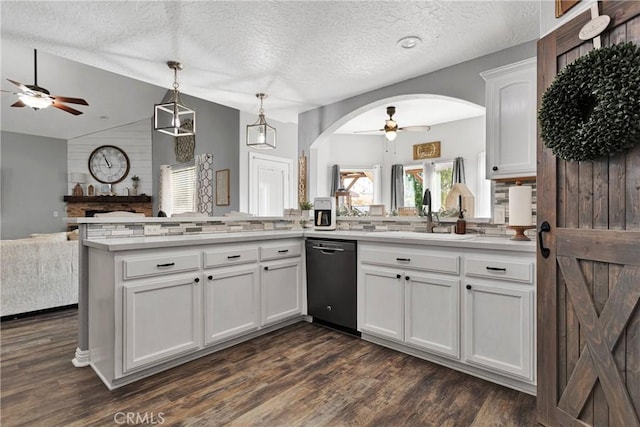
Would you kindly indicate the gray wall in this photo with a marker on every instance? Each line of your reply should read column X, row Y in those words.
column 33, row 179
column 218, row 133
column 461, row 81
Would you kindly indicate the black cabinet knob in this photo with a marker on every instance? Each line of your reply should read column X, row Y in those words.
column 407, row 278
column 266, row 269
column 468, row 286
column 210, row 277
column 495, row 168
column 398, row 276
column 197, row 279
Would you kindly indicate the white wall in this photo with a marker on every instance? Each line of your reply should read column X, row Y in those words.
column 286, row 146
column 134, row 139
column 462, row 138
column 548, row 20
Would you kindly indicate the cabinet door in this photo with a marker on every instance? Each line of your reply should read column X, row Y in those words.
column 281, row 290
column 511, row 120
column 383, row 302
column 231, row 302
column 161, row 319
column 432, row 312
column 498, row 328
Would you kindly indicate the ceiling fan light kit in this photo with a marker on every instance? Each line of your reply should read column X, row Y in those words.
column 40, row 98
column 391, row 127
column 170, row 117
column 261, row 134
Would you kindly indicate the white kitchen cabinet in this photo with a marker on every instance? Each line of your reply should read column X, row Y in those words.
column 498, row 327
column 231, row 302
column 383, row 302
column 511, row 120
column 161, row 319
column 281, row 289
column 432, row 313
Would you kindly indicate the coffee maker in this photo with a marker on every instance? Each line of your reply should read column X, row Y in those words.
column 324, row 213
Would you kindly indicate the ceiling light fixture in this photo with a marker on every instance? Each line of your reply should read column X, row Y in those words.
column 409, row 42
column 36, row 101
column 261, row 134
column 173, row 117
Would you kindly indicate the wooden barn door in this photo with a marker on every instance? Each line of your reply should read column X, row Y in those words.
column 589, row 285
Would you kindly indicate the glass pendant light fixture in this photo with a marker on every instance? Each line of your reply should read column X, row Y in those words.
column 173, row 117
column 261, row 134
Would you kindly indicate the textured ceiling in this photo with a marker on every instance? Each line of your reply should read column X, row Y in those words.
column 302, row 53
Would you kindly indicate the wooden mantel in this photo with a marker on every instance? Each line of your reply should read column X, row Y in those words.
column 78, row 206
column 107, row 199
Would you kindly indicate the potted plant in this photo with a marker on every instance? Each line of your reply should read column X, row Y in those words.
column 306, row 207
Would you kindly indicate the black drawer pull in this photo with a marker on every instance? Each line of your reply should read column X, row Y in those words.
column 266, row 269
column 407, row 278
column 210, row 277
column 468, row 286
column 233, row 256
column 283, row 251
column 496, row 269
column 403, row 259
column 398, row 276
column 196, row 280
column 169, row 264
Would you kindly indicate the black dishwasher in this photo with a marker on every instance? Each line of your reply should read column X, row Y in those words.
column 332, row 283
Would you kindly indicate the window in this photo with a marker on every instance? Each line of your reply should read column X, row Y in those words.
column 360, row 183
column 183, row 188
column 438, row 181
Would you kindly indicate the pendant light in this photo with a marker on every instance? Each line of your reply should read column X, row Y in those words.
column 261, row 134
column 173, row 117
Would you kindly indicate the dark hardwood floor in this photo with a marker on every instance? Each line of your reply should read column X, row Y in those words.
column 301, row 375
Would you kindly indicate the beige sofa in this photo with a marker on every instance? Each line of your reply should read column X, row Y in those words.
column 37, row 273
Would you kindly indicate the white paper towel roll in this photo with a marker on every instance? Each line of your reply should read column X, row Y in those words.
column 520, row 205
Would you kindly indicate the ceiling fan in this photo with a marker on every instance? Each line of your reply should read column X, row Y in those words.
column 391, row 128
column 38, row 97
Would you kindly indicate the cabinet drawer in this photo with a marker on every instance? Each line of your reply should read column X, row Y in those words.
column 133, row 268
column 230, row 255
column 416, row 260
column 280, row 250
column 507, row 269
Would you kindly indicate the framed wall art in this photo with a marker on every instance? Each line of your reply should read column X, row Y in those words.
column 428, row 150
column 222, row 187
column 562, row 6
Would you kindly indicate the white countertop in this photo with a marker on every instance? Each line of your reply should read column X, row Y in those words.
column 399, row 237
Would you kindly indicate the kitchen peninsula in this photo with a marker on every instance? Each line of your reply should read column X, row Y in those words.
column 172, row 290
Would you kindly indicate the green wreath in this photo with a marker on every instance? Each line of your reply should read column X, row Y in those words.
column 592, row 108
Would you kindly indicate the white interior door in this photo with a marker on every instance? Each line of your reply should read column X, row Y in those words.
column 269, row 184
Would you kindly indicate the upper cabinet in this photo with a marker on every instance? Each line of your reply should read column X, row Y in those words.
column 511, row 120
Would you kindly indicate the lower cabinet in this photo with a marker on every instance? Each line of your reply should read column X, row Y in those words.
column 383, row 295
column 281, row 283
column 231, row 302
column 161, row 319
column 499, row 327
column 432, row 313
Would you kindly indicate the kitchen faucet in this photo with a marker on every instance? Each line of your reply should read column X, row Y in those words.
column 426, row 201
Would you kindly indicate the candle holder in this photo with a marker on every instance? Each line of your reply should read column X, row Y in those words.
column 520, row 232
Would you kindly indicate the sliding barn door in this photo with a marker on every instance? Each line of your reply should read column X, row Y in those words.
column 589, row 285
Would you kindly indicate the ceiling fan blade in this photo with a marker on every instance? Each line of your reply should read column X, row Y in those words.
column 18, row 104
column 19, row 85
column 415, row 128
column 70, row 100
column 66, row 108
column 369, row 131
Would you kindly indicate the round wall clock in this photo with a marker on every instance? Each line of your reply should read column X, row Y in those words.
column 109, row 164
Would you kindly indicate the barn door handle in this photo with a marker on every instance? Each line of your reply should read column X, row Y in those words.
column 544, row 228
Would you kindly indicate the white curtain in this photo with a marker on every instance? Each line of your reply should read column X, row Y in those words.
column 204, row 184
column 377, row 184
column 165, row 199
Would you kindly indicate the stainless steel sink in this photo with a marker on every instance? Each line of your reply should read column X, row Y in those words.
column 427, row 236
